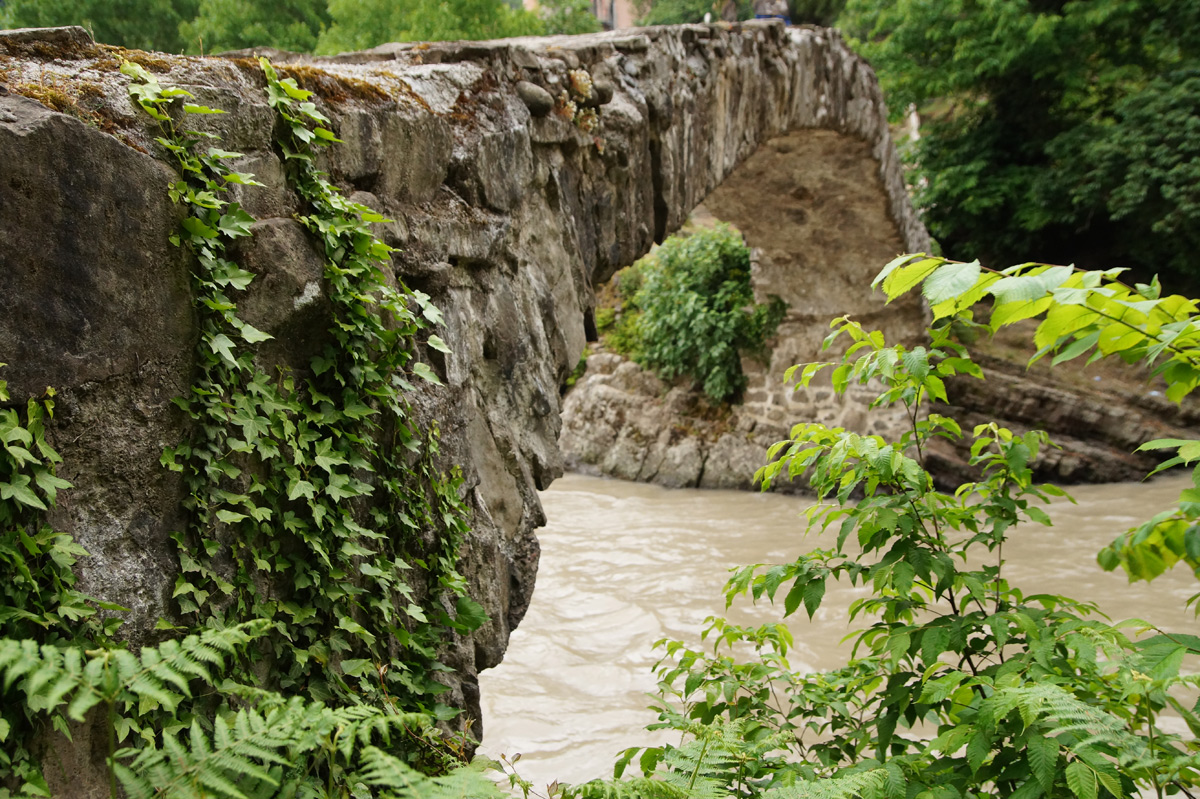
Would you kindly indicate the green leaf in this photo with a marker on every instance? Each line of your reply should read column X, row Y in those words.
column 814, row 591
column 1081, row 780
column 1043, row 757
column 469, row 614
column 223, row 346
column 950, row 280
column 356, row 667
column 905, row 277
column 19, row 490
column 193, row 108
column 301, row 488
column 253, row 335
column 423, row 371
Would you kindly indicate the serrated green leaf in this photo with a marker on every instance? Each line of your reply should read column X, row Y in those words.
column 1081, row 780
column 950, row 280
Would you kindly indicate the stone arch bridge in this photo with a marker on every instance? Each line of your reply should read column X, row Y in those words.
column 506, row 206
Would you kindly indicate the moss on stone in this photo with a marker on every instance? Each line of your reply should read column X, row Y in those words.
column 334, row 89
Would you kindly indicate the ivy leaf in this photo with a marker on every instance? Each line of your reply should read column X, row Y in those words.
column 469, row 615
column 301, row 488
column 438, row 344
column 423, row 371
column 253, row 335
column 223, row 346
column 351, row 626
column 19, row 490
column 197, row 227
column 235, row 222
column 356, row 667
column 49, row 484
column 193, row 108
column 325, row 457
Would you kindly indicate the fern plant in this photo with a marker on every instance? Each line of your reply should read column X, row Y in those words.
column 257, row 744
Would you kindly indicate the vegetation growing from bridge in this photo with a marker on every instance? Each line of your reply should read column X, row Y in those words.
column 309, row 619
column 688, row 311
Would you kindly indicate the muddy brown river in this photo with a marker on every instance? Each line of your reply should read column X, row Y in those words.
column 625, row 564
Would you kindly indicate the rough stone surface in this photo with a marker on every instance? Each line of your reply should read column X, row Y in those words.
column 1096, row 424
column 506, row 219
column 536, row 99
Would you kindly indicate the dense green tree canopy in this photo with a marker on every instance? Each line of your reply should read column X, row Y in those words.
column 1061, row 129
column 144, row 24
column 675, row 12
column 569, row 17
column 234, row 24
column 300, row 25
column 359, row 24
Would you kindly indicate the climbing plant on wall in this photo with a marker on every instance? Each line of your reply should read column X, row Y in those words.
column 278, row 467
column 295, row 579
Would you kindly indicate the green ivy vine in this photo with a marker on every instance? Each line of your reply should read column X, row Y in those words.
column 279, row 468
column 38, row 599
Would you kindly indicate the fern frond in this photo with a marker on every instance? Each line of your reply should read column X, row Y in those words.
column 869, row 784
column 1086, row 729
column 239, row 755
column 50, row 676
column 379, row 726
column 640, row 788
column 397, row 779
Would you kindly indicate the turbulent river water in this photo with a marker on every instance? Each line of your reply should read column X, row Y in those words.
column 625, row 564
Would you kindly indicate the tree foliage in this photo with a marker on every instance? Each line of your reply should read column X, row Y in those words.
column 235, row 24
column 328, row 26
column 568, row 17
column 143, row 24
column 361, row 24
column 962, row 684
column 677, row 12
column 1063, row 128
column 1088, row 313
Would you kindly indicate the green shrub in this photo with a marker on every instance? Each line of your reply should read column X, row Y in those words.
column 699, row 314
column 605, row 319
